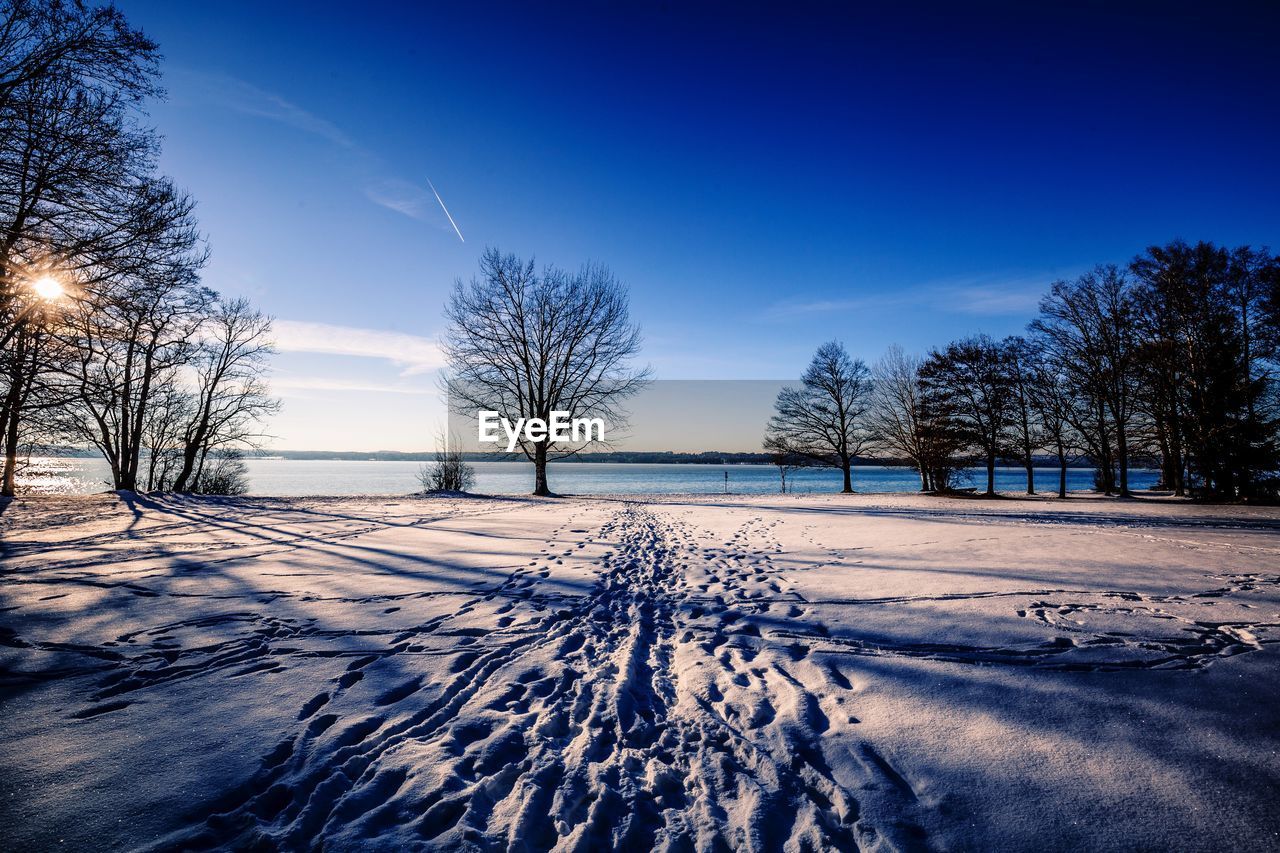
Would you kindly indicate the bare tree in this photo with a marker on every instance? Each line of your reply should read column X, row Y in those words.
column 902, row 423
column 167, row 417
column 23, row 366
column 230, row 397
column 525, row 344
column 786, row 461
column 73, row 154
column 95, row 44
column 74, row 161
column 120, row 363
column 30, row 405
column 225, row 474
column 136, row 333
column 1091, row 329
column 1255, row 285
column 970, row 375
column 1021, row 366
column 823, row 419
column 449, row 471
column 1056, row 412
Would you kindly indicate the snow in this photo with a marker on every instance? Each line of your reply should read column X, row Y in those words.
column 870, row 672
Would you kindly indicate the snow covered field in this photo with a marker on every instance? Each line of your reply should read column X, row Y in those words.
column 881, row 672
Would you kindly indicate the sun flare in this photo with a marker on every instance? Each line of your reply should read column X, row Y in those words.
column 47, row 287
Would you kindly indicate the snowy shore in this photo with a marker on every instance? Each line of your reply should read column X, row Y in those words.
column 875, row 672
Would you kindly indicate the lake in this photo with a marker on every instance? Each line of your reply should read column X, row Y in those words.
column 68, row 475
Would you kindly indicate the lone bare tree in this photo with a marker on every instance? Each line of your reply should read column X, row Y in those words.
column 822, row 419
column 525, row 344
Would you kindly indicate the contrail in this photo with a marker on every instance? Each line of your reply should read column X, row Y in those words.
column 446, row 211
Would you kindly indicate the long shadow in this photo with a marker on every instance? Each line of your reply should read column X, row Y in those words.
column 1042, row 517
column 896, row 661
column 128, row 671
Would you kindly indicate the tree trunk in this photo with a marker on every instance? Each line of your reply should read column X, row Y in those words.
column 845, row 465
column 1105, row 466
column 128, row 479
column 134, row 442
column 1122, row 453
column 924, row 480
column 1175, row 450
column 4, row 429
column 540, row 470
column 1031, row 476
column 12, row 411
column 199, row 472
column 188, row 466
column 10, row 456
column 1062, row 474
column 991, row 473
column 1166, row 458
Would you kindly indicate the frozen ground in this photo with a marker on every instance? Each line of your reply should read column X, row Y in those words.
column 866, row 673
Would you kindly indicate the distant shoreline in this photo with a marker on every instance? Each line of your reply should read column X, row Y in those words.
column 611, row 457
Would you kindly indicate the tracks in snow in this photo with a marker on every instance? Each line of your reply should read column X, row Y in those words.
column 624, row 718
column 685, row 697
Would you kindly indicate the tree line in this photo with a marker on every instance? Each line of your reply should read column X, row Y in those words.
column 1169, row 361
column 108, row 338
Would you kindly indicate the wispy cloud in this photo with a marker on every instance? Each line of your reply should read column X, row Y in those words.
column 413, row 354
column 801, row 308
column 993, row 301
column 411, row 200
column 988, row 296
column 400, row 196
column 310, row 383
column 242, row 97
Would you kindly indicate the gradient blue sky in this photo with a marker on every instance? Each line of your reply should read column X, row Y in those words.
column 764, row 178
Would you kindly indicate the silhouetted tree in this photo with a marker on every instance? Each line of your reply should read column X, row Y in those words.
column 823, row 418
column 230, row 398
column 1055, row 411
column 905, row 423
column 40, row 39
column 112, row 363
column 1090, row 329
column 969, row 378
column 70, row 152
column 136, row 333
column 1253, row 274
column 224, row 473
column 1205, row 346
column 1025, row 424
column 525, row 344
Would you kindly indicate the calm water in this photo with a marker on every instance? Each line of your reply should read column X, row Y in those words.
column 321, row 477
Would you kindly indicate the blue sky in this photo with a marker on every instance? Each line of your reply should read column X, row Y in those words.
column 764, row 178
